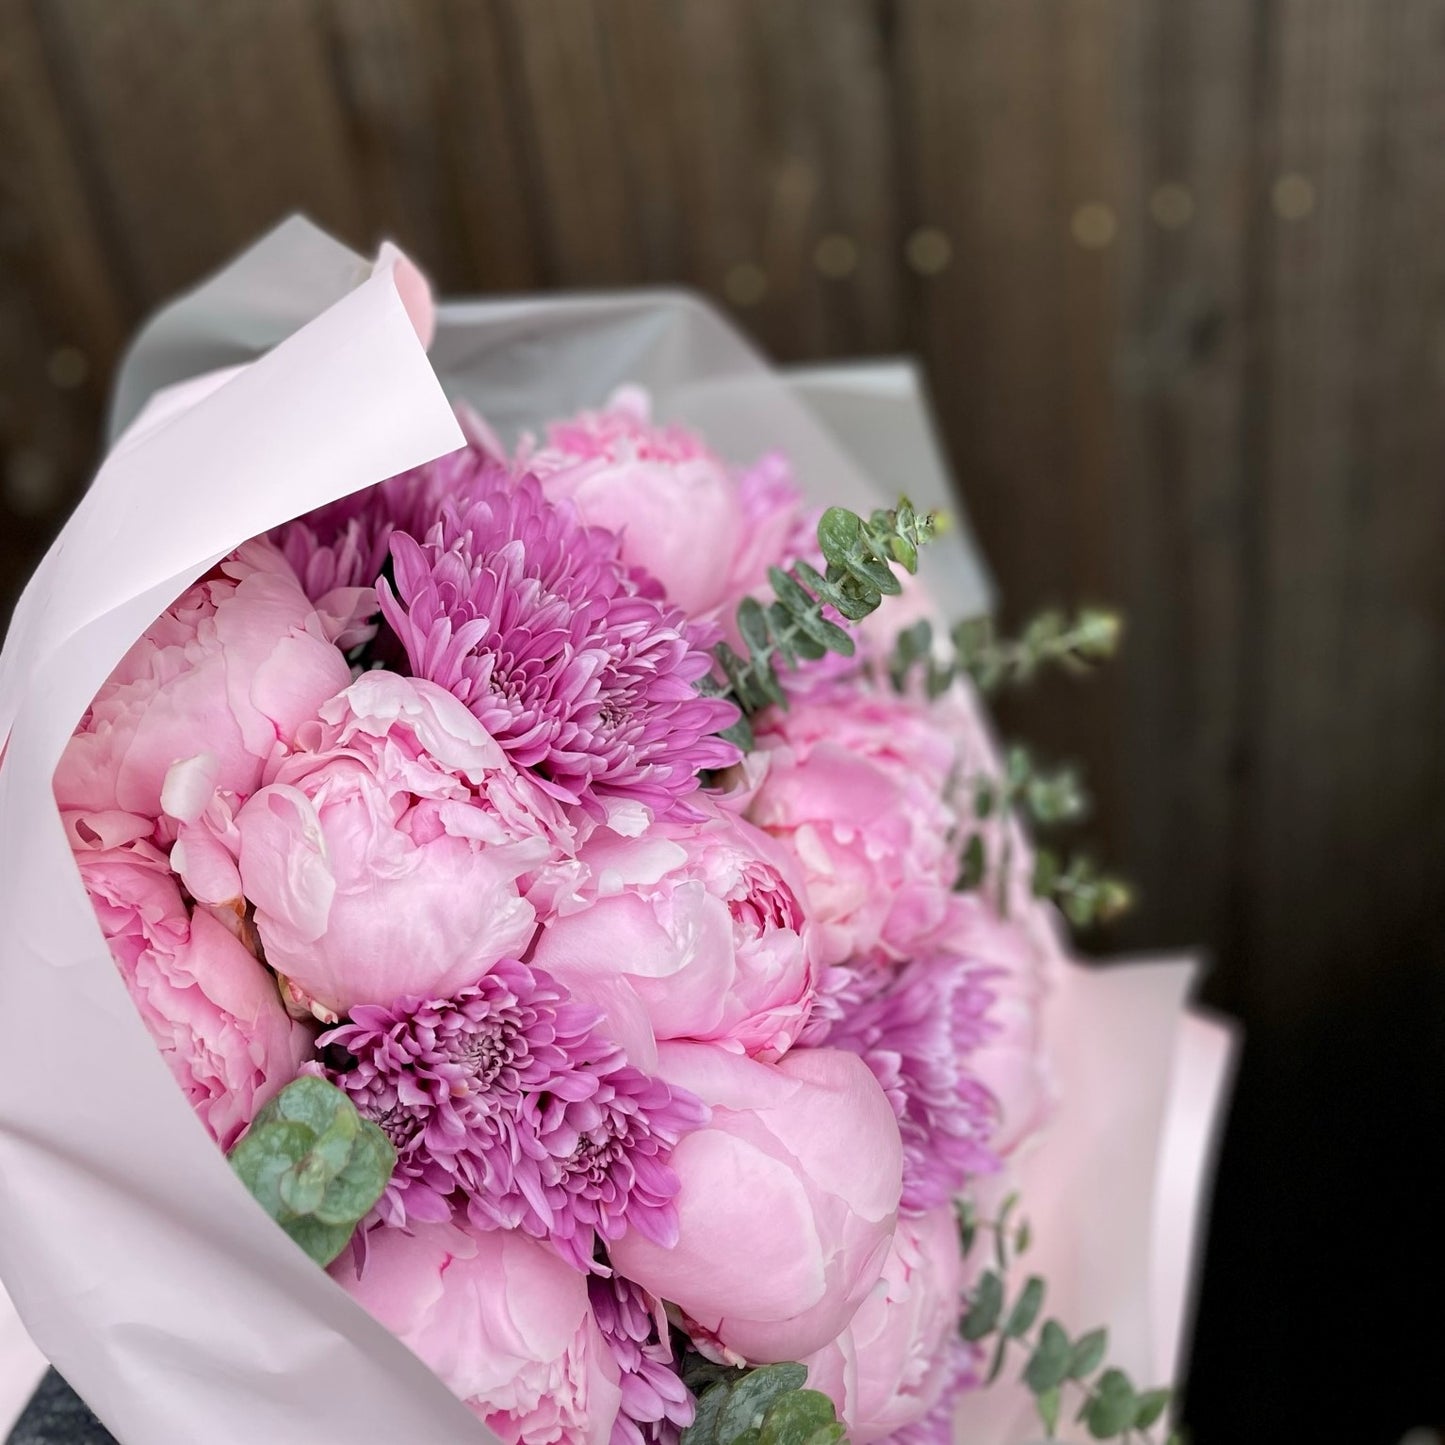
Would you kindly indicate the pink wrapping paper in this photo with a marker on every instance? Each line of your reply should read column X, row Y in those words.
column 138, row 1262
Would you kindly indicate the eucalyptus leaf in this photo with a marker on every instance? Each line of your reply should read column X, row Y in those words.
column 749, row 1399
column 1047, row 1403
column 351, row 1193
column 1026, row 1309
column 314, row 1164
column 1150, row 1406
column 703, row 1430
column 310, row 1101
column 995, row 1367
column 838, row 531
column 794, row 1418
column 1088, row 1354
column 1048, row 1366
column 984, row 1307
column 1112, row 1409
column 860, row 558
column 323, row 1242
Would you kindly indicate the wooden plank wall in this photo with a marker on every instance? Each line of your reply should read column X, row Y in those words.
column 1175, row 270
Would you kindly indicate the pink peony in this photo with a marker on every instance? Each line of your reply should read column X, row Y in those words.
column 226, row 674
column 889, row 1366
column 383, row 855
column 704, row 921
column 671, row 502
column 788, row 1202
column 706, row 533
column 857, row 784
column 502, row 1321
column 212, row 1009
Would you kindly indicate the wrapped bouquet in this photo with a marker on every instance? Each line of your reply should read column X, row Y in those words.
column 544, row 830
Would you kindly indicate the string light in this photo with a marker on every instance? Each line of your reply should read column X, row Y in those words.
column 1293, row 196
column 1094, row 225
column 928, row 251
column 1172, row 206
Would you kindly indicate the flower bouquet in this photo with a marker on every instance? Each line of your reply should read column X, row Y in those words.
column 521, row 794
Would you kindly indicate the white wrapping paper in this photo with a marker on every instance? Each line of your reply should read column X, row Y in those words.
column 138, row 1262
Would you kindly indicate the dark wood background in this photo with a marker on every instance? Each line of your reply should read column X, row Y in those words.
column 1177, row 272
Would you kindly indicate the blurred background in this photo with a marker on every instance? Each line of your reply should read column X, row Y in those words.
column 1176, row 271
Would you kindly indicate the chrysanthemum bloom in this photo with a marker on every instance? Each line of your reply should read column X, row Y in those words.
column 917, row 1029
column 342, row 548
column 591, row 1157
column 536, row 624
column 347, row 542
column 656, row 1405
column 509, row 1100
column 439, row 1076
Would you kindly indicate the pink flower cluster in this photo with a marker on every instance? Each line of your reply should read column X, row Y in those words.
column 421, row 794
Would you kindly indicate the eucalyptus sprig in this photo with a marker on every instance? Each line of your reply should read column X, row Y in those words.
column 1047, row 798
column 859, row 555
column 769, row 1405
column 1085, row 894
column 1077, row 644
column 1111, row 1408
column 316, row 1166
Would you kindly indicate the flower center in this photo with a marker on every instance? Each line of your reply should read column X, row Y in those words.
column 764, row 906
column 593, row 1157
column 485, row 1055
column 399, row 1125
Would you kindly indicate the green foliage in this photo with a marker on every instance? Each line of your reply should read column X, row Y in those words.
column 859, row 556
column 316, row 1166
column 1047, row 798
column 1075, row 644
column 985, row 1305
column 1086, row 895
column 1087, row 1353
column 769, row 1405
column 1111, row 1408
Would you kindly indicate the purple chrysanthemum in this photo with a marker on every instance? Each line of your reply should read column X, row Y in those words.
column 915, row 1027
column 571, row 660
column 656, row 1405
column 443, row 1077
column 937, row 1427
column 508, row 1101
column 346, row 542
column 589, row 1157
